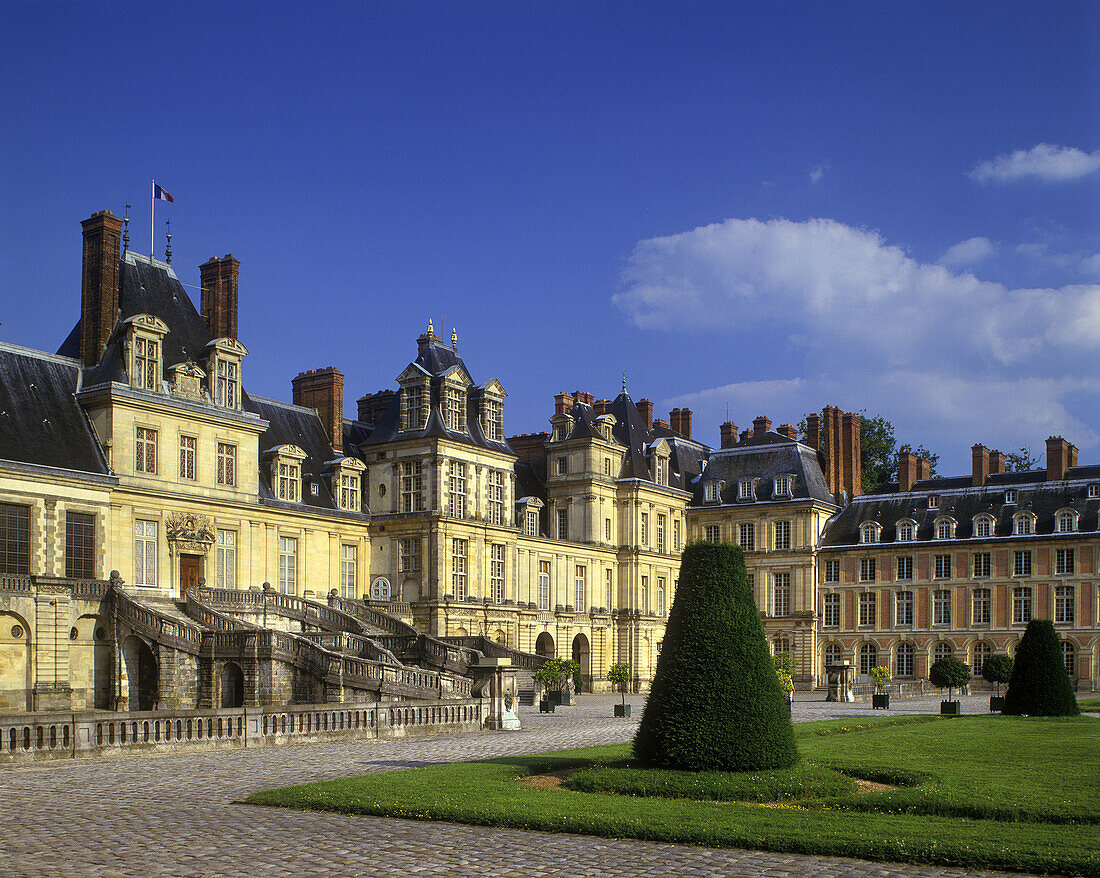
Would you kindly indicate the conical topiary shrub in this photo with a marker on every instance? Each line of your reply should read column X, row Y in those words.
column 1039, row 685
column 715, row 703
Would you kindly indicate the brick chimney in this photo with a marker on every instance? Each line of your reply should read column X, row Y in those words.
column 374, row 405
column 728, row 432
column 789, row 431
column 925, row 464
column 980, row 469
column 813, row 430
column 580, row 396
column 531, row 447
column 996, row 462
column 830, row 438
column 746, row 434
column 563, row 403
column 685, row 423
column 601, row 406
column 660, row 422
column 908, row 470
column 850, row 451
column 645, row 409
column 1058, row 458
column 218, row 303
column 99, row 284
column 323, row 390
column 760, row 425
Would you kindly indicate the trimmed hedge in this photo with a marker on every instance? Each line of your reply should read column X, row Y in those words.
column 1040, row 685
column 715, row 703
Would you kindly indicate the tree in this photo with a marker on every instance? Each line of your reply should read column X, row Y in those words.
column 551, row 676
column 949, row 673
column 921, row 451
column 1039, row 685
column 1021, row 461
column 619, row 675
column 881, row 676
column 716, row 702
column 997, row 670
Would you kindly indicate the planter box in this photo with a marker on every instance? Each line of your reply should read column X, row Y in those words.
column 622, row 710
column 950, row 708
column 996, row 703
column 555, row 698
column 546, row 706
column 566, row 699
column 882, row 700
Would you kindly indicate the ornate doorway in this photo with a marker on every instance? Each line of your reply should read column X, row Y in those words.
column 190, row 571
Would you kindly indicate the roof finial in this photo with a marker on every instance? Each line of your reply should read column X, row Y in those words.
column 431, row 328
column 624, row 380
column 126, row 230
column 168, row 249
column 454, row 338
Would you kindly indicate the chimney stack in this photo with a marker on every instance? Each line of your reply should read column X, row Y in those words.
column 601, row 407
column 645, row 409
column 99, row 284
column 728, row 432
column 996, row 462
column 579, row 396
column 1058, row 458
column 218, row 302
column 760, row 426
column 789, row 431
column 563, row 403
column 374, row 405
column 659, row 422
column 323, row 390
column 980, row 468
column 925, row 464
column 813, row 430
column 425, row 339
column 746, row 434
column 908, row 470
column 851, row 450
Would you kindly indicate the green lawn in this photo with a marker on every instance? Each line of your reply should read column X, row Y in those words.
column 982, row 792
column 1090, row 704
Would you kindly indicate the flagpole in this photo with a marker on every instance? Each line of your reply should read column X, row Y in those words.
column 152, row 210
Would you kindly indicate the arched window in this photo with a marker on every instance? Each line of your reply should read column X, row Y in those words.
column 868, row 658
column 983, row 526
column 907, row 531
column 903, row 660
column 943, row 650
column 868, row 533
column 832, row 654
column 981, row 654
column 1066, row 522
column 1023, row 524
column 1069, row 657
column 945, row 529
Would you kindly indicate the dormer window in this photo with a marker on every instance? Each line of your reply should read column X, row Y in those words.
column 907, row 531
column 868, row 533
column 347, row 483
column 1094, row 491
column 710, row 492
column 945, row 529
column 746, row 489
column 144, row 337
column 933, row 501
column 491, row 410
column 454, row 408
column 224, row 366
column 1010, row 496
column 783, row 486
column 983, row 526
column 661, row 474
column 286, row 473
column 1065, row 522
column 1023, row 524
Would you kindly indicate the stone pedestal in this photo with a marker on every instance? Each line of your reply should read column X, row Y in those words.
column 840, row 677
column 495, row 680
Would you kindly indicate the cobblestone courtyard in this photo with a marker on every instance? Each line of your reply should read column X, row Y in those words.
column 174, row 815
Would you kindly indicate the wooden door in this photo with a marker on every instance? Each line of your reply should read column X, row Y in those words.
column 190, row 571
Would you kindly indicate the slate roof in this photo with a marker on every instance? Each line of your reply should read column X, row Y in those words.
column 41, row 422
column 436, row 359
column 762, row 458
column 959, row 500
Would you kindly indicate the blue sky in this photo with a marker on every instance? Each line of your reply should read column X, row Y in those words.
column 753, row 208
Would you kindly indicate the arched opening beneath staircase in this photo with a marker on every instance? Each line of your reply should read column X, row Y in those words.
column 140, row 666
column 544, row 645
column 232, row 685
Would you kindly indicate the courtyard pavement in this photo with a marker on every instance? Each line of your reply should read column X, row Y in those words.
column 176, row 814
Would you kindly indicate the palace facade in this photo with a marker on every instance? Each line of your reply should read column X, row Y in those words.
column 137, row 448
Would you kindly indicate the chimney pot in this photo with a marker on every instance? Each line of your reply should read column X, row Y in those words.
column 761, row 425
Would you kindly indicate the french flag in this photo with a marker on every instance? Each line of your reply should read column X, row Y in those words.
column 161, row 193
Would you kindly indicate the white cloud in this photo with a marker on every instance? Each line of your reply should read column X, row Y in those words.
column 1044, row 161
column 940, row 352
column 968, row 252
column 818, row 172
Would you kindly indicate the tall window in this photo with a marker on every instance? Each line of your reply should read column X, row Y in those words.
column 713, row 533
column 531, row 523
column 609, row 587
column 982, row 564
column 903, row 660
column 783, row 486
column 782, row 534
column 905, row 568
column 607, row 530
column 288, row 482
column 943, row 567
column 1021, row 563
column 288, row 565
column 457, row 489
column 226, row 558
column 1063, row 562
column 187, row 457
column 782, row 594
column 867, row 570
column 643, row 595
column 145, row 553
column 660, row 533
column 494, row 420
column 414, row 408
column 980, row 606
column 644, row 531
column 563, row 524
column 146, row 363
column 1069, row 658
column 941, row 607
column 903, row 608
column 227, row 464
column 660, row 596
column 458, row 569
column 454, row 409
column 412, row 486
column 496, row 497
column 710, row 492
column 832, row 654
column 145, row 450
column 867, row 608
column 79, row 545
column 980, row 656
column 832, row 570
column 544, row 585
column 563, row 466
column 676, row 535
column 349, row 568
column 746, row 531
column 832, row 611
column 868, row 658
column 349, row 492
column 745, row 489
column 579, row 590
column 410, row 556
column 1063, row 604
column 607, row 466
column 496, row 573
column 1021, row 605
column 943, row 650
column 229, row 384
column 661, row 471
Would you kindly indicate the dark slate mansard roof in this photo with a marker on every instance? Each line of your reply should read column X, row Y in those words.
column 762, row 458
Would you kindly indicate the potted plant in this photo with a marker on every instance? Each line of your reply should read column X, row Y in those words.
column 549, row 677
column 569, row 669
column 949, row 673
column 881, row 698
column 997, row 670
column 619, row 675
